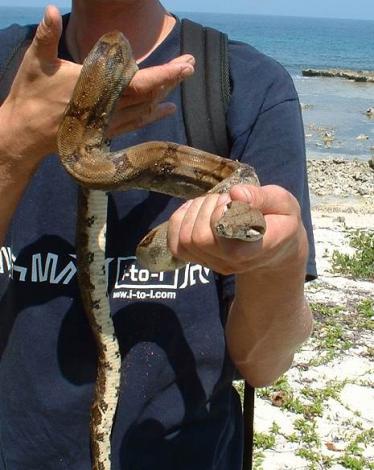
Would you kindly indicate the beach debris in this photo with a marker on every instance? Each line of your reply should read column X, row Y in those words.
column 333, row 447
column 328, row 136
column 362, row 137
column 279, row 398
column 306, row 106
column 340, row 220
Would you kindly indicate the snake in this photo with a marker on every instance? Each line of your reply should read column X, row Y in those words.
column 170, row 168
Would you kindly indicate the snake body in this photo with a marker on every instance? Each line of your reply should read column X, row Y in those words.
column 165, row 167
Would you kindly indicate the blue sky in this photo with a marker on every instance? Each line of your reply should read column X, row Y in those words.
column 363, row 9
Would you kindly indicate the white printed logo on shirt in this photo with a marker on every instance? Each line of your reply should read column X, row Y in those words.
column 132, row 282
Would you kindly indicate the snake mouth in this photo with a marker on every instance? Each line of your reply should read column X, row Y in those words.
column 243, row 233
column 255, row 233
column 260, row 229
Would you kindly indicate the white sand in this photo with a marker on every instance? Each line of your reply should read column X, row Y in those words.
column 351, row 412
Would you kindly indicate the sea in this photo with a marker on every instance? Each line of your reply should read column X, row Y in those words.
column 334, row 110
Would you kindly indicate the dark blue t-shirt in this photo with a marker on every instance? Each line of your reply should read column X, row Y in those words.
column 177, row 407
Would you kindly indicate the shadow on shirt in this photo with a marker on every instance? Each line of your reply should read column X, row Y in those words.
column 171, row 405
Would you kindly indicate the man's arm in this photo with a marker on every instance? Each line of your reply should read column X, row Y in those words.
column 14, row 178
column 30, row 115
column 269, row 317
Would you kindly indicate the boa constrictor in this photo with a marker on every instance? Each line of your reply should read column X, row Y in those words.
column 165, row 167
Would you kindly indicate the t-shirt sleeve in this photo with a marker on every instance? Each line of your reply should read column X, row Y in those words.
column 266, row 131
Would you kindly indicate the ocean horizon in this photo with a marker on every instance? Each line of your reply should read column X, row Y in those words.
column 334, row 106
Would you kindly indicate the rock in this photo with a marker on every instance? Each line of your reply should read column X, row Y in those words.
column 328, row 137
column 305, row 107
column 362, row 137
column 339, row 177
column 356, row 75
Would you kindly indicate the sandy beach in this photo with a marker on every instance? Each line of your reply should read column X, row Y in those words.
column 320, row 414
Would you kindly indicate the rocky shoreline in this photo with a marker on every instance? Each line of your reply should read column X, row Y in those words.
column 338, row 182
column 320, row 414
column 356, row 75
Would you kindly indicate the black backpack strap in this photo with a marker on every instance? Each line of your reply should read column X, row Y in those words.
column 205, row 98
column 206, row 94
column 248, row 417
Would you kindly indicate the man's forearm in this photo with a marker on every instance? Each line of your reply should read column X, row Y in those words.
column 13, row 182
column 262, row 341
column 15, row 171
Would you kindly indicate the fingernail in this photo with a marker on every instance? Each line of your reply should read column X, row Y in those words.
column 46, row 18
column 187, row 70
column 245, row 194
column 224, row 198
column 186, row 205
column 248, row 195
column 191, row 60
column 167, row 107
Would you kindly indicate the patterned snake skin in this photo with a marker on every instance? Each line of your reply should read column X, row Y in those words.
column 165, row 167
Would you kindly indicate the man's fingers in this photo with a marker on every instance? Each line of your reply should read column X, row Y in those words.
column 135, row 117
column 154, row 83
column 269, row 199
column 188, row 58
column 47, row 36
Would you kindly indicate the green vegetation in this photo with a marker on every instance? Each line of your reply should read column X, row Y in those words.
column 310, row 402
column 354, row 463
column 365, row 310
column 329, row 332
column 360, row 265
column 337, row 328
column 309, row 442
column 263, row 440
column 353, row 457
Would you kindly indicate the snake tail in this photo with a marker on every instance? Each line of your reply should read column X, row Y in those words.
column 92, row 277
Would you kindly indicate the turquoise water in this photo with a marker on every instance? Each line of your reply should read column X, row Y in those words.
column 302, row 42
column 336, row 106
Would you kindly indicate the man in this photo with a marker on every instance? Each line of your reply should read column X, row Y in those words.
column 181, row 349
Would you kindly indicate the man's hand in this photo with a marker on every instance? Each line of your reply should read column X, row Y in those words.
column 31, row 114
column 269, row 317
column 44, row 84
column 142, row 101
column 191, row 232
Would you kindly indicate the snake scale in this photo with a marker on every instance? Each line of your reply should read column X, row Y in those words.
column 165, row 167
